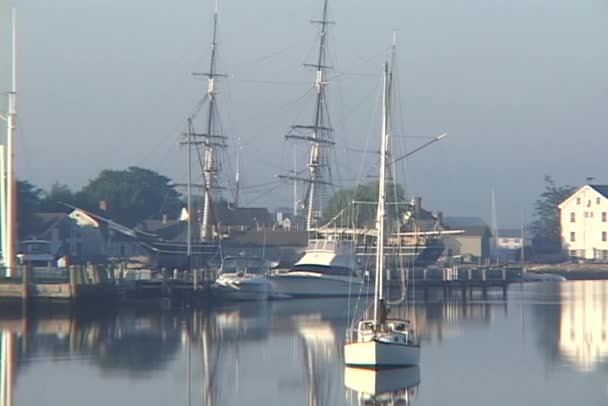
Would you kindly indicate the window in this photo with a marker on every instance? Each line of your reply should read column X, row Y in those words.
column 591, row 214
column 597, row 200
column 586, row 214
column 578, row 200
column 572, row 217
column 604, row 236
column 603, row 217
column 572, row 236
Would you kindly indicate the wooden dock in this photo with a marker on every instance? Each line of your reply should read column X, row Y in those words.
column 101, row 285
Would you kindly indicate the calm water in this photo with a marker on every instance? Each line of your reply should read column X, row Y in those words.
column 544, row 343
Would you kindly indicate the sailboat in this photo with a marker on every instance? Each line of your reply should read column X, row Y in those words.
column 382, row 342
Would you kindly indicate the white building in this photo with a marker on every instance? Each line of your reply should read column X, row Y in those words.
column 584, row 223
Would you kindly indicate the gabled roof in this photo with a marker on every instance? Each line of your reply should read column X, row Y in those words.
column 243, row 216
column 601, row 189
column 475, row 231
column 463, row 222
column 45, row 221
column 509, row 233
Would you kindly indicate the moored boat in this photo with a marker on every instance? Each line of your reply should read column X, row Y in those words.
column 328, row 268
column 243, row 278
column 380, row 342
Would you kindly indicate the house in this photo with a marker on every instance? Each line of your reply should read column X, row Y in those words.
column 75, row 235
column 508, row 239
column 584, row 223
column 473, row 241
column 230, row 220
column 285, row 220
column 508, row 243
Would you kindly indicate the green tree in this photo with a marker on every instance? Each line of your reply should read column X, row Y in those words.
column 29, row 201
column 359, row 205
column 131, row 195
column 546, row 226
column 58, row 193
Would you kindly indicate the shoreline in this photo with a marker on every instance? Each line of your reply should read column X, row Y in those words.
column 572, row 271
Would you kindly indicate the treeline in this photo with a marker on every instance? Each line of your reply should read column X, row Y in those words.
column 130, row 196
column 545, row 229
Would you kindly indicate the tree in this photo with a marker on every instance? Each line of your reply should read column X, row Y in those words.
column 131, row 195
column 362, row 213
column 546, row 227
column 58, row 193
column 29, row 201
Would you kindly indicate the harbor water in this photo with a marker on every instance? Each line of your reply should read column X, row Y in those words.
column 541, row 343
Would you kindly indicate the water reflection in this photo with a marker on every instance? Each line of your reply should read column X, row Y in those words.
column 584, row 323
column 389, row 387
column 287, row 352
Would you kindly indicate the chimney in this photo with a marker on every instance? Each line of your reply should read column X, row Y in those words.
column 103, row 205
column 165, row 218
column 417, row 206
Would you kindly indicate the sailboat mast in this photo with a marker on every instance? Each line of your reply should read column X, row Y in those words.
column 189, row 186
column 11, row 182
column 381, row 212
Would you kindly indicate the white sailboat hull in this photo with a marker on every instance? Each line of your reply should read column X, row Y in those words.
column 309, row 285
column 381, row 354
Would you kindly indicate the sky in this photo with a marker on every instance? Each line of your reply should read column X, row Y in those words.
column 520, row 86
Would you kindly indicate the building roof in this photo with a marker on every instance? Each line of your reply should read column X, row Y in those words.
column 464, row 222
column 601, row 189
column 509, row 233
column 475, row 231
column 242, row 216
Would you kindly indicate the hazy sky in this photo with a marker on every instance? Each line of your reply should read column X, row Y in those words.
column 521, row 86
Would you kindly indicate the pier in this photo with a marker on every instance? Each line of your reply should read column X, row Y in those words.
column 102, row 285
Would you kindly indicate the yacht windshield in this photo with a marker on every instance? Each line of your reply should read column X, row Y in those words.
column 244, row 265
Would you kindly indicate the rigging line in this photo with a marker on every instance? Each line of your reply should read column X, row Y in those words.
column 254, row 199
column 272, row 82
column 261, row 59
column 367, row 140
column 259, row 185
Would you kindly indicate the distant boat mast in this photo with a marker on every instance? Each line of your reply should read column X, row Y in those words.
column 319, row 134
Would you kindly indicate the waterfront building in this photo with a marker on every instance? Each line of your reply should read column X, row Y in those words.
column 584, row 223
column 472, row 242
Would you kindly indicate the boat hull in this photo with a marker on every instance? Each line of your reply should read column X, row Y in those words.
column 309, row 285
column 250, row 290
column 381, row 354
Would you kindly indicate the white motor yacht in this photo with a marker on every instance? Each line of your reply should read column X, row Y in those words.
column 328, row 268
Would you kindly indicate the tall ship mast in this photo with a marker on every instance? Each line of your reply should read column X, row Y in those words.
column 211, row 140
column 319, row 134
